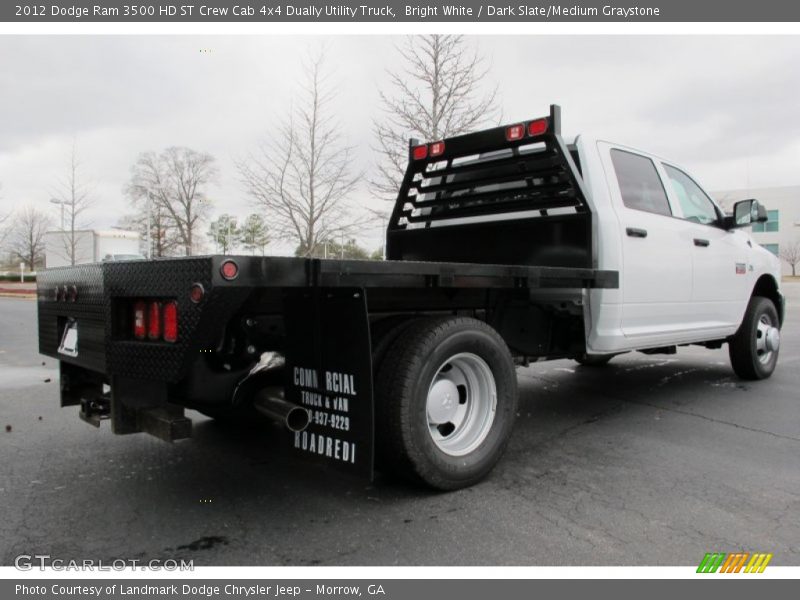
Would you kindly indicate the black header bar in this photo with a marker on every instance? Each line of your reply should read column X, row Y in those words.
column 265, row 11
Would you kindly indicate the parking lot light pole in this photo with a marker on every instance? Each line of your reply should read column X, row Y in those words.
column 62, row 203
column 149, row 219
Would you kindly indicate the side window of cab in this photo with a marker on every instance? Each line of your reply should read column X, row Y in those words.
column 639, row 183
column 695, row 203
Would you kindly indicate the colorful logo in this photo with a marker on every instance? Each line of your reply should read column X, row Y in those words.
column 736, row 562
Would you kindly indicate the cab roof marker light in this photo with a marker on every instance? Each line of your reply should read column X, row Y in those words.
column 419, row 152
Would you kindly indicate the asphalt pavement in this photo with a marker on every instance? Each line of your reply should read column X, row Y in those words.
column 654, row 460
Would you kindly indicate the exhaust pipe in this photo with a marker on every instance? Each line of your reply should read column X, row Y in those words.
column 270, row 403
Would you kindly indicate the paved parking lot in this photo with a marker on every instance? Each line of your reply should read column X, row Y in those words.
column 651, row 461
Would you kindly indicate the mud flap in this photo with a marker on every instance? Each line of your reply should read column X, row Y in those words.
column 329, row 372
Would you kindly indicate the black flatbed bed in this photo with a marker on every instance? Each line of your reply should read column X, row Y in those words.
column 370, row 273
column 329, row 272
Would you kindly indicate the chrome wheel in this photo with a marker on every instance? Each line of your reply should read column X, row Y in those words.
column 461, row 404
column 768, row 339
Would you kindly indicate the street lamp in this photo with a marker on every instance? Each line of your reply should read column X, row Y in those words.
column 62, row 203
column 383, row 236
column 149, row 219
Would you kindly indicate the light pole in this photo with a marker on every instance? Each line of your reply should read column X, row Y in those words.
column 62, row 203
column 383, row 239
column 149, row 218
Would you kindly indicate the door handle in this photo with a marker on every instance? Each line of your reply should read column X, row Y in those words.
column 636, row 232
column 701, row 242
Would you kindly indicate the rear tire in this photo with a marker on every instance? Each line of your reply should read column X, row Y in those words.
column 750, row 349
column 384, row 333
column 447, row 392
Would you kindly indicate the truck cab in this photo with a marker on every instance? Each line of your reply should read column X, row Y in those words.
column 687, row 271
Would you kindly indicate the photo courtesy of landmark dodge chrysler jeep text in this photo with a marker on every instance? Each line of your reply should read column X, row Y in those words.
column 505, row 246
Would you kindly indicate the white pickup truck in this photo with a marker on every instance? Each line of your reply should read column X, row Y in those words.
column 689, row 274
column 505, row 246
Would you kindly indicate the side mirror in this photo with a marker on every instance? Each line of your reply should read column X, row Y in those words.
column 745, row 213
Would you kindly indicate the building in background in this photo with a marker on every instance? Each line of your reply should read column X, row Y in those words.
column 90, row 246
column 782, row 230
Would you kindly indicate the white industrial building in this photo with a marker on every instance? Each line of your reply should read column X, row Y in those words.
column 88, row 246
column 783, row 208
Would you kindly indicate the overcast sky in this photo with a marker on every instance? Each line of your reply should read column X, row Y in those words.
column 725, row 107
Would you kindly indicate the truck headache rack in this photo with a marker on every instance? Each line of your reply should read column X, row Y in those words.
column 493, row 185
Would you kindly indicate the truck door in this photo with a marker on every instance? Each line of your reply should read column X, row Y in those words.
column 721, row 275
column 656, row 277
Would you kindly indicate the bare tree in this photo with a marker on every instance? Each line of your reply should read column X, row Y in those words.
column 163, row 233
column 301, row 180
column 27, row 237
column 439, row 91
column 791, row 254
column 74, row 195
column 175, row 182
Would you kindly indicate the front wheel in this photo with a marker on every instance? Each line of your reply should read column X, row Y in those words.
column 754, row 348
column 446, row 401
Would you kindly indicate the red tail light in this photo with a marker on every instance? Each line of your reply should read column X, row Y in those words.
column 139, row 320
column 419, row 152
column 170, row 316
column 229, row 269
column 515, row 132
column 437, row 148
column 196, row 293
column 537, row 127
column 154, row 320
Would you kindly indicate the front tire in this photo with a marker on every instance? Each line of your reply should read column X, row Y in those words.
column 754, row 348
column 447, row 397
